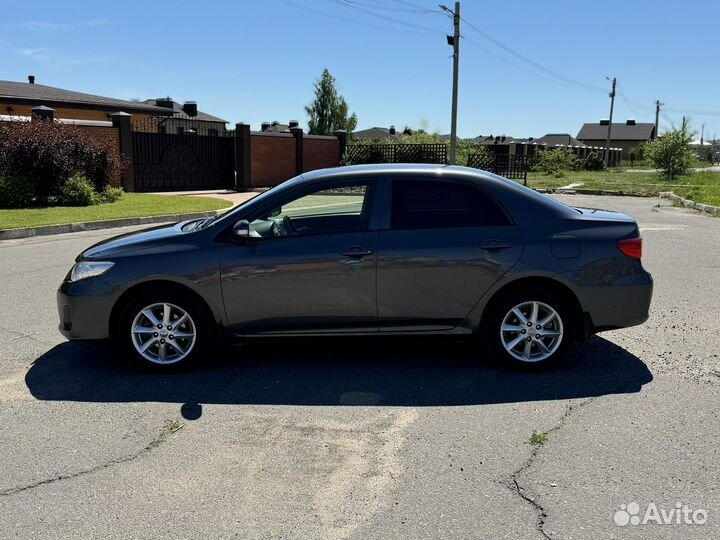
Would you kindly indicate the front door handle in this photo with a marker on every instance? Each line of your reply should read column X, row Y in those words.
column 356, row 251
column 495, row 244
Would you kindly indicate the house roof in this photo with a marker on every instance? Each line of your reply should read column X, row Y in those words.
column 373, row 133
column 620, row 132
column 277, row 128
column 49, row 95
column 177, row 110
column 499, row 139
column 552, row 139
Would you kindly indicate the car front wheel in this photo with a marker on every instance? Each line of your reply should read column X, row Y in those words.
column 163, row 330
column 529, row 329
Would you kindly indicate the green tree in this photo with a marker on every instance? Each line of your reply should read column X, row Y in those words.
column 329, row 111
column 671, row 154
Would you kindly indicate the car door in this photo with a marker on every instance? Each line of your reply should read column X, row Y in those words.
column 446, row 242
column 311, row 265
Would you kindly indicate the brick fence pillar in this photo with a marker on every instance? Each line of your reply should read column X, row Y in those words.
column 122, row 121
column 297, row 132
column 243, row 182
column 341, row 135
column 42, row 113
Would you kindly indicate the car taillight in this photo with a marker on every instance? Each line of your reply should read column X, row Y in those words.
column 632, row 247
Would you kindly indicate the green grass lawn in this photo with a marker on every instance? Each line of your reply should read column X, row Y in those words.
column 702, row 187
column 129, row 206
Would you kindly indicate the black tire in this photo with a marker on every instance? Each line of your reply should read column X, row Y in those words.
column 522, row 298
column 197, row 323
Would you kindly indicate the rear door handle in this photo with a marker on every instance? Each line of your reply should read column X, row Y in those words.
column 495, row 244
column 356, row 252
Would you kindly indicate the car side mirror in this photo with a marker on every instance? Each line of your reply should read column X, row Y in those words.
column 241, row 230
column 275, row 212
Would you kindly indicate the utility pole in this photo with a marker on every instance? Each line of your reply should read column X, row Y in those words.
column 657, row 117
column 612, row 106
column 702, row 135
column 454, row 40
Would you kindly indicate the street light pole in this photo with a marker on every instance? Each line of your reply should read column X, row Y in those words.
column 455, row 42
column 609, row 131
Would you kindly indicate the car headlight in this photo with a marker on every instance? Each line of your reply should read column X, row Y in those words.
column 88, row 269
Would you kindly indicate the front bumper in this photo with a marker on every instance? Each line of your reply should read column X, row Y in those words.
column 84, row 308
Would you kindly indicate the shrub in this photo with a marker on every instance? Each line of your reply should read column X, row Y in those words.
column 46, row 153
column 556, row 162
column 637, row 153
column 110, row 194
column 78, row 191
column 594, row 162
column 15, row 192
column 671, row 154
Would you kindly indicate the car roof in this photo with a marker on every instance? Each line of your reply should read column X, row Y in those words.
column 379, row 169
column 501, row 187
column 505, row 190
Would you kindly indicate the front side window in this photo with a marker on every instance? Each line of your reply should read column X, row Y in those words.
column 432, row 204
column 340, row 208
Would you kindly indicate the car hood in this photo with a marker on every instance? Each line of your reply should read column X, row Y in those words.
column 134, row 241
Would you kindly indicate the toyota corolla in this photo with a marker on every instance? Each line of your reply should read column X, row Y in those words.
column 366, row 250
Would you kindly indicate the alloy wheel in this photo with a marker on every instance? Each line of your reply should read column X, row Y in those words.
column 531, row 331
column 163, row 333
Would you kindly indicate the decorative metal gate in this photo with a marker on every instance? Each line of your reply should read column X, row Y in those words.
column 165, row 162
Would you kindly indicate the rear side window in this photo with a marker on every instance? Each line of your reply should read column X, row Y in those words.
column 430, row 204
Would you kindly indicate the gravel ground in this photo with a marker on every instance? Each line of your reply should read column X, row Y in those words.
column 366, row 439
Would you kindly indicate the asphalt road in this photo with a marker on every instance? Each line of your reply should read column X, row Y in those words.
column 366, row 439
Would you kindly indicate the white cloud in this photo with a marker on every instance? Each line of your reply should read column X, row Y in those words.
column 69, row 25
column 38, row 54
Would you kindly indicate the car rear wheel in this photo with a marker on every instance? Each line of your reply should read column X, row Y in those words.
column 530, row 329
column 164, row 330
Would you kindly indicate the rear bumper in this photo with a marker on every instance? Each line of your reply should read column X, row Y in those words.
column 623, row 303
column 84, row 309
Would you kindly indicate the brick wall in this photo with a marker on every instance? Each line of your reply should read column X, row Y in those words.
column 272, row 159
column 66, row 112
column 320, row 152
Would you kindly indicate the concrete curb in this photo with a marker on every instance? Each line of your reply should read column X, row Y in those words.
column 687, row 203
column 13, row 234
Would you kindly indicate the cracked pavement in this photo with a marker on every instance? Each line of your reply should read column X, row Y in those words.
column 359, row 439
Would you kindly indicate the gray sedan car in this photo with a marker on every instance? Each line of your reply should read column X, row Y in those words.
column 366, row 250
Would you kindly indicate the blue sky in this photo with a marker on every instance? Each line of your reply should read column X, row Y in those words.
column 256, row 60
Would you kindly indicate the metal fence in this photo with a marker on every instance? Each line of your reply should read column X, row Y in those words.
column 514, row 167
column 357, row 154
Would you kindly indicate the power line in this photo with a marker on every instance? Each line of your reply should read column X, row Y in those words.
column 402, row 7
column 349, row 4
column 694, row 111
column 531, row 62
column 345, row 19
column 510, row 61
column 631, row 103
column 415, row 6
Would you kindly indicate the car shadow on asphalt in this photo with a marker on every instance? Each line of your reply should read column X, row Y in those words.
column 365, row 372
